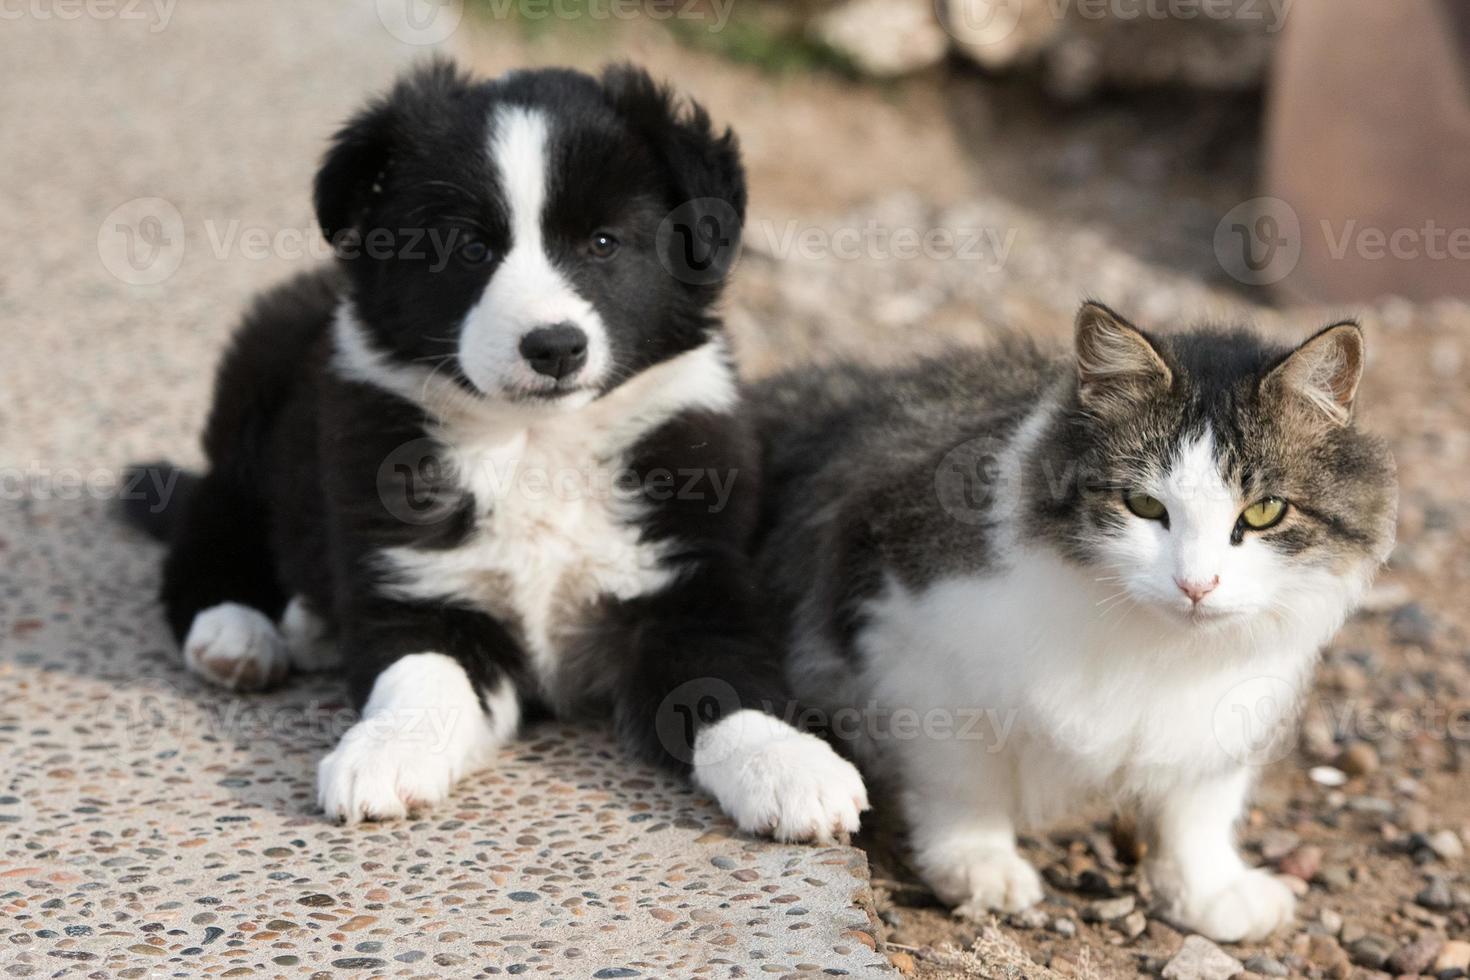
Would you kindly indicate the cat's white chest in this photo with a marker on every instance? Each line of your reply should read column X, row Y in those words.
column 1085, row 699
column 555, row 531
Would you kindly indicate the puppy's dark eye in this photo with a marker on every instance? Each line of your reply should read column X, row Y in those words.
column 602, row 245
column 474, row 252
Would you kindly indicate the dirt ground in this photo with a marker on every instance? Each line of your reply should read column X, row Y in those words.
column 1120, row 200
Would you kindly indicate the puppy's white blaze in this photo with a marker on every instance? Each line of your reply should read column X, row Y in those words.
column 422, row 730
column 527, row 290
column 771, row 778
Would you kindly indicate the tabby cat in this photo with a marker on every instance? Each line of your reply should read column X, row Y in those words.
column 1019, row 581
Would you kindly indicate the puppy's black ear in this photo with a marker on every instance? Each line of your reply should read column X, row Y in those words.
column 709, row 181
column 359, row 163
column 353, row 172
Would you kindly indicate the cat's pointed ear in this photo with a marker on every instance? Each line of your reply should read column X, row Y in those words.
column 1324, row 371
column 1115, row 360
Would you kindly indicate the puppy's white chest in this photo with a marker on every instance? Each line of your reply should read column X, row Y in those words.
column 555, row 531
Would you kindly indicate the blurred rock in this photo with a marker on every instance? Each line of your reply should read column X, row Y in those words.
column 1416, row 957
column 1302, row 863
column 998, row 34
column 1267, row 967
column 1107, row 911
column 1454, row 956
column 1436, row 895
column 1200, row 959
column 1359, row 759
column 1133, row 924
column 1411, row 624
column 1372, row 951
column 884, row 38
column 1447, row 845
column 1324, row 953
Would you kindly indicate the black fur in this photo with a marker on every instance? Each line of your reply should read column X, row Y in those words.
column 294, row 502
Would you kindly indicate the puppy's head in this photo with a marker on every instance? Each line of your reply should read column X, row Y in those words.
column 538, row 238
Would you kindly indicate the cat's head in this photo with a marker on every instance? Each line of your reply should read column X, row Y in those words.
column 1222, row 477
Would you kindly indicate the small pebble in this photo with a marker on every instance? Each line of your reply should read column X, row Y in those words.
column 1372, row 951
column 1327, row 776
column 1436, row 895
column 1302, row 863
column 1267, row 967
column 1415, row 957
column 1064, row 927
column 1446, row 844
column 1454, row 956
column 1109, row 909
column 1200, row 959
column 1359, row 759
column 1411, row 624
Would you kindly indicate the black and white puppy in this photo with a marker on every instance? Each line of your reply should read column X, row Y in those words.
column 495, row 458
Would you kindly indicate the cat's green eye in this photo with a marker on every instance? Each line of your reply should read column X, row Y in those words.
column 1146, row 507
column 1264, row 514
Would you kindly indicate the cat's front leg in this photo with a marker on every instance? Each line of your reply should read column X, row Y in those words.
column 958, row 803
column 1196, row 869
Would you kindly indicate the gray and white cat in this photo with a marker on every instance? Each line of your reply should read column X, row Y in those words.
column 1021, row 581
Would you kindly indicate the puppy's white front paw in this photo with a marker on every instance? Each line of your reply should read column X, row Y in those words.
column 773, row 779
column 236, row 647
column 1249, row 908
column 979, row 880
column 423, row 728
column 309, row 644
column 376, row 773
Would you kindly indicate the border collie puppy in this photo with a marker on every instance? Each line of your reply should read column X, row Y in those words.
column 495, row 458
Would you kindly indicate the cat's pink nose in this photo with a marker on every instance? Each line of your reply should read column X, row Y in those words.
column 1197, row 590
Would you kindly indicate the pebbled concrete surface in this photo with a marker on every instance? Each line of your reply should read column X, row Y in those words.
column 149, row 825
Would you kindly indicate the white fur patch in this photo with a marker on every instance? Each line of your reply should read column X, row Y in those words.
column 422, row 730
column 772, row 779
column 308, row 644
column 527, row 291
column 237, row 647
column 555, row 531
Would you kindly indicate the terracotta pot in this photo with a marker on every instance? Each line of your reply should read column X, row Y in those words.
column 1369, row 144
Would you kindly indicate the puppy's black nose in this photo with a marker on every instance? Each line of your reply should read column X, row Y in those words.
column 555, row 351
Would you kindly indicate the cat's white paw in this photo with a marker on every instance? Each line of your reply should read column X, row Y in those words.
column 772, row 779
column 236, row 647
column 1249, row 908
column 376, row 774
column 980, row 881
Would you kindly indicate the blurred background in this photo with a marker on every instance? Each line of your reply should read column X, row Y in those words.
column 921, row 171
